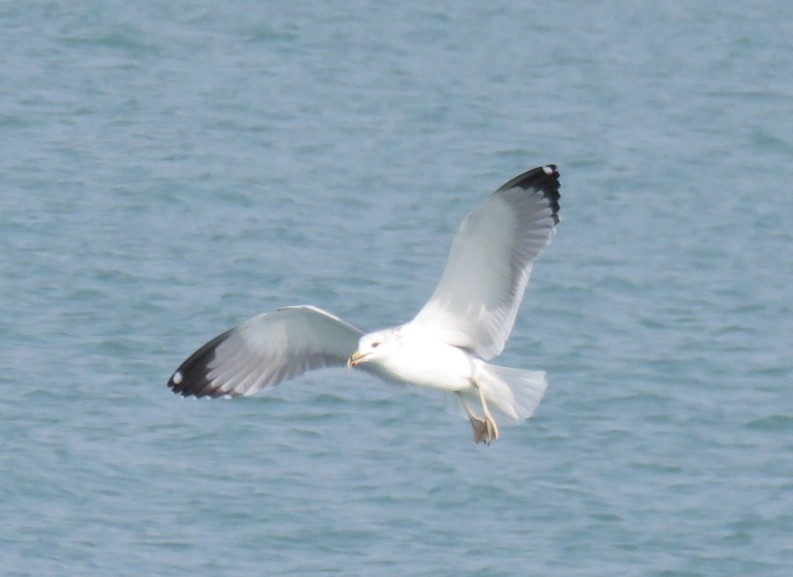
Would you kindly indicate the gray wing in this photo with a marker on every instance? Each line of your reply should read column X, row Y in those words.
column 265, row 350
column 476, row 301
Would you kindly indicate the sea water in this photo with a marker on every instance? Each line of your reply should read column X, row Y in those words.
column 169, row 169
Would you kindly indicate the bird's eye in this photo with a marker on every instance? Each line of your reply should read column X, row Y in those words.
column 375, row 345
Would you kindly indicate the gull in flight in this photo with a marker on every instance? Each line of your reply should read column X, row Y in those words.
column 466, row 322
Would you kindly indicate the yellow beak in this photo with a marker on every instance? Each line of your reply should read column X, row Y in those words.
column 355, row 359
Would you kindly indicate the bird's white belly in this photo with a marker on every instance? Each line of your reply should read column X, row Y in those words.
column 433, row 365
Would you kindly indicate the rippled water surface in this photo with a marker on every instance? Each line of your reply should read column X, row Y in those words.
column 168, row 169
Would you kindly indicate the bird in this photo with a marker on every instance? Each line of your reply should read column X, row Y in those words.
column 446, row 346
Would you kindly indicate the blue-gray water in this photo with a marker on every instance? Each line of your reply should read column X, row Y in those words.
column 168, row 169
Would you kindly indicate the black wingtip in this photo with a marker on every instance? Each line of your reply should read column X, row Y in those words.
column 191, row 378
column 544, row 179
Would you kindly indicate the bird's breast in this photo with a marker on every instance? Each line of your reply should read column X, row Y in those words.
column 431, row 364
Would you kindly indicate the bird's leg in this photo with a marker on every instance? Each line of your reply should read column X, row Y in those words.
column 478, row 425
column 490, row 422
column 485, row 430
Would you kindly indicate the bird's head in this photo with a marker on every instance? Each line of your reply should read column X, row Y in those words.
column 373, row 347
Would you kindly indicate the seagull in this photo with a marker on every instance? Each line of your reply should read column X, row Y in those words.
column 446, row 346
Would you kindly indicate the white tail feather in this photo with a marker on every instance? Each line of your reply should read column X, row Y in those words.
column 513, row 393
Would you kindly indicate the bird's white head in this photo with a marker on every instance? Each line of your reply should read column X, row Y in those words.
column 374, row 346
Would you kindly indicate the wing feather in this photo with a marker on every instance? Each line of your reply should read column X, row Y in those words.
column 490, row 262
column 265, row 350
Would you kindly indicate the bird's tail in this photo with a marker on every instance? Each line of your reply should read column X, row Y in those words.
column 514, row 393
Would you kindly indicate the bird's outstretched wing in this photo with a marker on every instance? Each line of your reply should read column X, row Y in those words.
column 266, row 350
column 476, row 301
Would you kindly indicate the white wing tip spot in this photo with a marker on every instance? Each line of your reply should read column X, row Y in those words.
column 177, row 378
column 547, row 169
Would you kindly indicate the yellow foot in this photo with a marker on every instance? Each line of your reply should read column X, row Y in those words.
column 485, row 430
